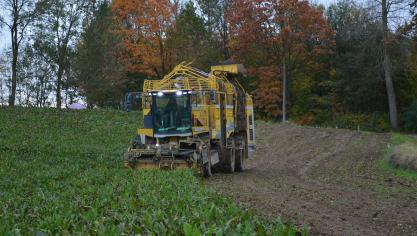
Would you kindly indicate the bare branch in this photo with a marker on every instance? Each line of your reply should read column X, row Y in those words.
column 4, row 22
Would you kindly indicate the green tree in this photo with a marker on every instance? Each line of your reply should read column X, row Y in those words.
column 388, row 10
column 359, row 75
column 4, row 73
column 99, row 70
column 188, row 38
column 214, row 13
column 56, row 35
column 359, row 86
column 20, row 15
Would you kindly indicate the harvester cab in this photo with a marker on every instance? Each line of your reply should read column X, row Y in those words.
column 193, row 119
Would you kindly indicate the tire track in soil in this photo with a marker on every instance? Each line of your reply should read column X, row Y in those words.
column 326, row 180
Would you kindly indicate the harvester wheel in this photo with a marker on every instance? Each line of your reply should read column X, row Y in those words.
column 126, row 160
column 229, row 162
column 206, row 168
column 241, row 151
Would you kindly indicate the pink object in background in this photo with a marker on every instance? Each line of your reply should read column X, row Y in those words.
column 77, row 106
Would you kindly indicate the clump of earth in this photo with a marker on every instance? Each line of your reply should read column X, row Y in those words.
column 405, row 156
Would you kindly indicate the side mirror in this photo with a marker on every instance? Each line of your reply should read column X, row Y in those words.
column 128, row 102
column 133, row 101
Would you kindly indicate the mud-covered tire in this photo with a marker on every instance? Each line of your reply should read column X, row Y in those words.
column 206, row 168
column 127, row 160
column 241, row 154
column 218, row 167
column 230, row 159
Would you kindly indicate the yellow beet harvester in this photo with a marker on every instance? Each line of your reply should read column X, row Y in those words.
column 194, row 119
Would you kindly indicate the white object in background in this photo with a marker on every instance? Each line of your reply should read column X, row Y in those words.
column 77, row 106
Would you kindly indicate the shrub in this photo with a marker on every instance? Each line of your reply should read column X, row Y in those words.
column 369, row 122
column 410, row 117
column 404, row 156
column 397, row 159
column 308, row 119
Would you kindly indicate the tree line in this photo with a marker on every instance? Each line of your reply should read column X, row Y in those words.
column 349, row 64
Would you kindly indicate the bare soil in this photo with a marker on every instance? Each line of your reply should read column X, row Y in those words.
column 328, row 181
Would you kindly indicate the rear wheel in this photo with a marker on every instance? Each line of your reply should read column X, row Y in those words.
column 206, row 168
column 230, row 161
column 241, row 154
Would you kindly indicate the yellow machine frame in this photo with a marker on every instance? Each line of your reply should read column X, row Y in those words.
column 212, row 93
column 199, row 81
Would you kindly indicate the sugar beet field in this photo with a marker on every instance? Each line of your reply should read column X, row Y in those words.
column 61, row 172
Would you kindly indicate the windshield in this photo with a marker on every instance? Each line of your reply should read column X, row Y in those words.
column 172, row 114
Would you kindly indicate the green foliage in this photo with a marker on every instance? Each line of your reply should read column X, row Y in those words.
column 61, row 173
column 359, row 87
column 370, row 122
column 308, row 105
column 189, row 38
column 408, row 85
column 367, row 122
column 410, row 117
column 101, row 76
column 214, row 12
column 54, row 37
column 397, row 139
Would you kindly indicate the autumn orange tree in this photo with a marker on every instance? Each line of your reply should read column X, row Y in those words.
column 287, row 38
column 143, row 25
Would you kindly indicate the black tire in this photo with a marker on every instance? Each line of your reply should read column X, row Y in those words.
column 206, row 168
column 127, row 160
column 230, row 158
column 241, row 154
column 136, row 142
column 218, row 167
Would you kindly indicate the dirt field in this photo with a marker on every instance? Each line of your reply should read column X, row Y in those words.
column 326, row 180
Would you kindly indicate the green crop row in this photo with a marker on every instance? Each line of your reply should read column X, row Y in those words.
column 61, row 173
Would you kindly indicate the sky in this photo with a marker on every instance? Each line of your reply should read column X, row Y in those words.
column 4, row 39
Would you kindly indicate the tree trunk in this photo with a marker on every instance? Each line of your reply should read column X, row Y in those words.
column 37, row 96
column 15, row 51
column 225, row 40
column 389, row 84
column 12, row 96
column 58, row 87
column 28, row 95
column 42, row 93
column 161, row 55
column 284, row 91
